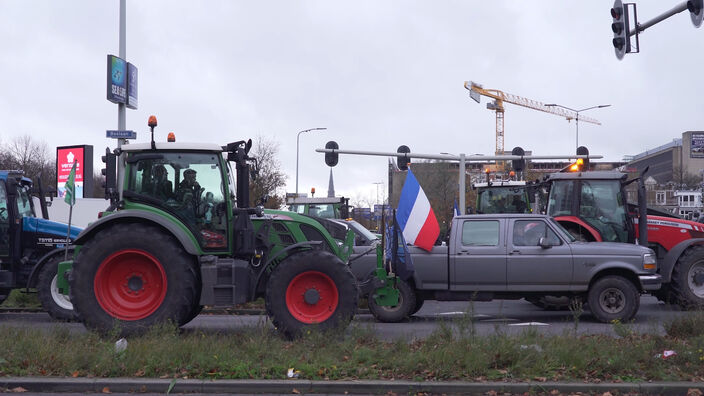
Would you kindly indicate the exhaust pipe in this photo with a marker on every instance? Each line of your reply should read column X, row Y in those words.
column 642, row 210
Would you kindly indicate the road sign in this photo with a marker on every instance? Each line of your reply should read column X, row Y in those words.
column 121, row 134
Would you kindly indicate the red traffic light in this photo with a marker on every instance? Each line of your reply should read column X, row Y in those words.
column 616, row 12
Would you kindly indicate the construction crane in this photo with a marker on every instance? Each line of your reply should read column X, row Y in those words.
column 476, row 90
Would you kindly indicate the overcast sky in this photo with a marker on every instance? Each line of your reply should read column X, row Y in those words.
column 377, row 74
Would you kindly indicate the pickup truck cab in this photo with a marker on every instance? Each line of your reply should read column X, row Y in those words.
column 513, row 256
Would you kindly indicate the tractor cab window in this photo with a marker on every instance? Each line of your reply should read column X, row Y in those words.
column 188, row 185
column 561, row 199
column 24, row 202
column 602, row 206
column 505, row 199
column 4, row 223
column 322, row 210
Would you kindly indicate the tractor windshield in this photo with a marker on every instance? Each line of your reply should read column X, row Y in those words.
column 503, row 200
column 600, row 204
column 188, row 185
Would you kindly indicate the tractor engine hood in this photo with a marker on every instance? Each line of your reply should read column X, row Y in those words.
column 48, row 227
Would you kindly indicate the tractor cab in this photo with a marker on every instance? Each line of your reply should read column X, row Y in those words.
column 502, row 197
column 591, row 205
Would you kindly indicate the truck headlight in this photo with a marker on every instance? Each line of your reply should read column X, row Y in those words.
column 650, row 262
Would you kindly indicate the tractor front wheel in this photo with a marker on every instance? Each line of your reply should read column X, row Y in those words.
column 392, row 314
column 311, row 289
column 133, row 276
column 687, row 284
column 57, row 305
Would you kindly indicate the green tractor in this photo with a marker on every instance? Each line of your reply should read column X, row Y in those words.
column 180, row 235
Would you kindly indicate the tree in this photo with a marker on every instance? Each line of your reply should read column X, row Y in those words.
column 30, row 156
column 684, row 179
column 269, row 179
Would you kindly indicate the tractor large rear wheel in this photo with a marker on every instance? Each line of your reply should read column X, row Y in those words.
column 311, row 289
column 57, row 305
column 687, row 285
column 129, row 277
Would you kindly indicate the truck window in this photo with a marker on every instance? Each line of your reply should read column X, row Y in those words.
column 480, row 233
column 528, row 233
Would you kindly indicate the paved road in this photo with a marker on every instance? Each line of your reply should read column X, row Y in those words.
column 483, row 317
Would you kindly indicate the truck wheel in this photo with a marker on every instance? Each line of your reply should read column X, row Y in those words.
column 612, row 298
column 311, row 289
column 396, row 313
column 132, row 276
column 56, row 304
column 687, row 283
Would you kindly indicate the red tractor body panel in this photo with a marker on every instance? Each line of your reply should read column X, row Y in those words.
column 668, row 232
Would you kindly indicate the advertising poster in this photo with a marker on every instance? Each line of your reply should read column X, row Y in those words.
column 117, row 79
column 65, row 156
column 132, row 94
column 697, row 147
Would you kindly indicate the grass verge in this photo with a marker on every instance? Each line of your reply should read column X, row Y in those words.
column 451, row 353
column 20, row 299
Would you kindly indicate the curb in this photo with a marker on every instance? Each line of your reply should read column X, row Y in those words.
column 124, row 385
column 205, row 311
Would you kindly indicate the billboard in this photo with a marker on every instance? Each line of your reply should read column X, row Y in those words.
column 696, row 150
column 117, row 79
column 131, row 86
column 65, row 157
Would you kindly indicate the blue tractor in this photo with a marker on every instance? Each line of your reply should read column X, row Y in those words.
column 31, row 247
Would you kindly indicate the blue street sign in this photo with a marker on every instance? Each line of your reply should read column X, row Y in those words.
column 121, row 134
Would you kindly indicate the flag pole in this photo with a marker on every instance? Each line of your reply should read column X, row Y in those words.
column 68, row 232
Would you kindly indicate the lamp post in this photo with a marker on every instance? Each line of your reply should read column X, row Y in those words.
column 577, row 118
column 297, row 138
column 378, row 221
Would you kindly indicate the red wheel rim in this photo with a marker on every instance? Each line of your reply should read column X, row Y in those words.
column 312, row 297
column 130, row 284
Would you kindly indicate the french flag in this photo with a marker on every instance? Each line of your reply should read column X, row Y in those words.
column 415, row 216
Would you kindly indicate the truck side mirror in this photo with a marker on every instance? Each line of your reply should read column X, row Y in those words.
column 544, row 243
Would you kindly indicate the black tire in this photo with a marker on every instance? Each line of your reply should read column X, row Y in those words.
column 687, row 285
column 419, row 305
column 396, row 313
column 196, row 308
column 550, row 303
column 114, row 267
column 612, row 298
column 57, row 305
column 311, row 289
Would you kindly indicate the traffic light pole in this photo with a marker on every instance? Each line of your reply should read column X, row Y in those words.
column 675, row 10
column 462, row 159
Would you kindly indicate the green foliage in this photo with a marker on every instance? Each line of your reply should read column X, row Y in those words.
column 258, row 352
column 690, row 325
column 20, row 299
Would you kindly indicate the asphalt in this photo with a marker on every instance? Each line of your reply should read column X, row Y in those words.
column 297, row 386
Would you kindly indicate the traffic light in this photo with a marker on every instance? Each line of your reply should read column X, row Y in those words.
column 331, row 158
column 403, row 160
column 520, row 164
column 581, row 150
column 110, row 173
column 621, row 41
column 696, row 11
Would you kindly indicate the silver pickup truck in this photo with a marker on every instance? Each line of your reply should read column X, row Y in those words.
column 512, row 256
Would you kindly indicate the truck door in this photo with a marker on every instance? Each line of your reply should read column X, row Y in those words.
column 478, row 256
column 531, row 267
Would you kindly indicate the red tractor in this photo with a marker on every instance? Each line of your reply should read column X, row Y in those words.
column 592, row 206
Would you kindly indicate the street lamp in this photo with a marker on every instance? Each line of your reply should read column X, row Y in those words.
column 577, row 111
column 297, row 137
